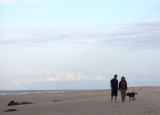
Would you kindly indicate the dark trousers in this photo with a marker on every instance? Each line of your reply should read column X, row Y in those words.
column 123, row 94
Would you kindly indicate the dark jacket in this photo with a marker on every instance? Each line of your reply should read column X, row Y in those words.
column 114, row 84
column 125, row 85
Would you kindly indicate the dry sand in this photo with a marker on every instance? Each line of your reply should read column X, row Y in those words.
column 85, row 103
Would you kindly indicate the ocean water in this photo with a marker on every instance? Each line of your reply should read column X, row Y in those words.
column 17, row 92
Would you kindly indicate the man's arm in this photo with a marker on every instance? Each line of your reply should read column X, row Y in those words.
column 111, row 84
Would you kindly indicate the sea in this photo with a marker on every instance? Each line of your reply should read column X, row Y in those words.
column 17, row 92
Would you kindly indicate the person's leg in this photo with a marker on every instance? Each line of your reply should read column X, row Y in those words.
column 124, row 94
column 111, row 95
column 111, row 98
column 116, row 93
column 121, row 94
column 115, row 99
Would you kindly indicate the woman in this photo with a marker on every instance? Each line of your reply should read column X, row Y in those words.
column 123, row 88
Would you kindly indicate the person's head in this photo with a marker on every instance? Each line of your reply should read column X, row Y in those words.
column 115, row 76
column 123, row 78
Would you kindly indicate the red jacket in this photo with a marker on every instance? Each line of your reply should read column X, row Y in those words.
column 123, row 86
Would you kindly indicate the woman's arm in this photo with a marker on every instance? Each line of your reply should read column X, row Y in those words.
column 126, row 85
column 119, row 85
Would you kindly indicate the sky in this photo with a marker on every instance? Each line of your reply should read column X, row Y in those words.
column 78, row 44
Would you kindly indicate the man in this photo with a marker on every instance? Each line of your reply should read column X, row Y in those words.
column 114, row 87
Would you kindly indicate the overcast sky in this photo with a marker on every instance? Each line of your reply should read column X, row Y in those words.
column 78, row 44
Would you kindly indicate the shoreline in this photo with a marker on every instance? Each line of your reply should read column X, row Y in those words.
column 25, row 92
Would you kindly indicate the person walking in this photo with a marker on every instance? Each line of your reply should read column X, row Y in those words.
column 114, row 88
column 123, row 87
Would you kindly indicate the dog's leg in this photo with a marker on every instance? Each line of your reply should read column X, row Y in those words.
column 134, row 98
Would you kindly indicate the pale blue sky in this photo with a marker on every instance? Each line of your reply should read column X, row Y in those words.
column 78, row 44
column 64, row 13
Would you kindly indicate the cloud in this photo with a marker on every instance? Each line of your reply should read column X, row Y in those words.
column 148, row 23
column 139, row 35
column 99, row 78
column 16, row 83
column 81, row 77
column 18, row 1
column 14, row 72
column 53, row 78
column 64, row 76
column 67, row 76
column 143, row 79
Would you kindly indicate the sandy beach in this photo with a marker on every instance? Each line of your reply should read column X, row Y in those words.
column 84, row 103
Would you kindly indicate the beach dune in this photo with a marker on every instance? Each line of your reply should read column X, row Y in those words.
column 84, row 103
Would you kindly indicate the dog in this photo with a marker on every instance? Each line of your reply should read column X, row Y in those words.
column 131, row 95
